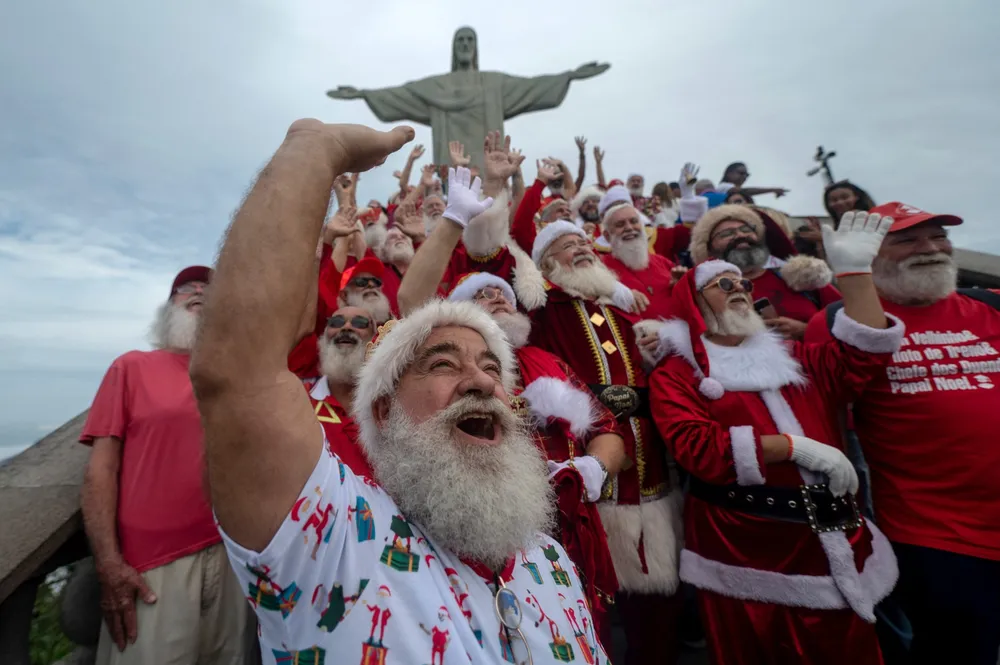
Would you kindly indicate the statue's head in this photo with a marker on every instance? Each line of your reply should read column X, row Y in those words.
column 464, row 50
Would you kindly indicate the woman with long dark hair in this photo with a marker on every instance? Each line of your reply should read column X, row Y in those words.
column 735, row 177
column 844, row 196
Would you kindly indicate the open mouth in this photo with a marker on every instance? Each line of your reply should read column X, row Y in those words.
column 582, row 259
column 482, row 427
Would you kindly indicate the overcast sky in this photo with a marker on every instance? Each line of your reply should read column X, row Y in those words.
column 129, row 130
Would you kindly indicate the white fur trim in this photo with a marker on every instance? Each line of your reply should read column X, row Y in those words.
column 549, row 397
column 781, row 412
column 709, row 270
column 821, row 592
column 692, row 209
column 471, row 284
column 488, row 231
column 660, row 526
column 590, row 192
column 529, row 284
column 711, row 388
column 872, row 340
column 761, row 362
column 648, row 328
column 805, row 273
column 675, row 339
column 397, row 349
column 549, row 234
column 743, row 441
column 623, row 298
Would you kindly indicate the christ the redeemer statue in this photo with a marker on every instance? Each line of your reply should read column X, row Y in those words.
column 467, row 104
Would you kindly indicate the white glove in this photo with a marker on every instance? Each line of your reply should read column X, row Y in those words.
column 589, row 469
column 623, row 298
column 851, row 248
column 819, row 457
column 463, row 197
column 689, row 175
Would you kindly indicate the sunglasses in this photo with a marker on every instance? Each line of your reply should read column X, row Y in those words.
column 357, row 322
column 728, row 285
column 366, row 282
column 190, row 287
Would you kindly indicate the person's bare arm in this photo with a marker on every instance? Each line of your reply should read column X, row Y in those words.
column 428, row 267
column 861, row 301
column 610, row 449
column 404, row 176
column 581, row 143
column 261, row 437
column 775, row 448
column 599, row 165
column 569, row 189
column 120, row 583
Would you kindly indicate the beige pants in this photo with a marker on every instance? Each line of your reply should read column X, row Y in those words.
column 199, row 617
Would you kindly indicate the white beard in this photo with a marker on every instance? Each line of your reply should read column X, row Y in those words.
column 633, row 253
column 174, row 327
column 731, row 321
column 341, row 364
column 516, row 326
column 430, row 223
column 399, row 254
column 590, row 282
column 375, row 236
column 906, row 284
column 374, row 301
column 635, row 191
column 482, row 502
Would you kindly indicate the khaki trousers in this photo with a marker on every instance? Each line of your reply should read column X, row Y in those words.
column 199, row 617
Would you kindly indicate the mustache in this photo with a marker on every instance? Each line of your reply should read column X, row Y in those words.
column 924, row 259
column 480, row 405
column 733, row 297
column 346, row 336
column 732, row 244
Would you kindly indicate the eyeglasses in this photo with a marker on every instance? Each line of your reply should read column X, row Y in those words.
column 366, row 282
column 357, row 322
column 508, row 610
column 745, row 229
column 490, row 293
column 189, row 288
column 728, row 285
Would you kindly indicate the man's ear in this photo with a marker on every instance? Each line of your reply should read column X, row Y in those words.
column 380, row 409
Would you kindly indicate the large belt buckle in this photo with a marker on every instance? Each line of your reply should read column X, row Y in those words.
column 851, row 518
column 622, row 401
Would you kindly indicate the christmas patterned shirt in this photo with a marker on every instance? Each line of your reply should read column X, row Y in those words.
column 347, row 579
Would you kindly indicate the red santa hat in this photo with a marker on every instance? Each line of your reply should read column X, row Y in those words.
column 590, row 192
column 616, row 182
column 687, row 316
column 549, row 234
column 472, row 283
column 395, row 346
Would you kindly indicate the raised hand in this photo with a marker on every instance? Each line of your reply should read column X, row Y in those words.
column 851, row 248
column 689, row 176
column 499, row 165
column 547, row 172
column 342, row 224
column 409, row 220
column 581, row 143
column 416, row 153
column 517, row 158
column 458, row 156
column 427, row 175
column 598, row 154
column 352, row 148
column 463, row 197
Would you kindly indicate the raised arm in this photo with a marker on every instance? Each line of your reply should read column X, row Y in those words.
column 404, row 175
column 599, row 165
column 581, row 143
column 261, row 437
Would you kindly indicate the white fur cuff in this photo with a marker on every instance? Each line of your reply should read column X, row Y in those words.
column 744, row 445
column 549, row 397
column 693, row 209
column 872, row 340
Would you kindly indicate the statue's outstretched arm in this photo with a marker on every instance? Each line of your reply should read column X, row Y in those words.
column 394, row 104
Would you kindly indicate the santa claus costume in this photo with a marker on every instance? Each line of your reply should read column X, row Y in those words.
column 566, row 417
column 641, row 508
column 786, row 572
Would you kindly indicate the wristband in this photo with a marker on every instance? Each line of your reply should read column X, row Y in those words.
column 791, row 445
column 851, row 274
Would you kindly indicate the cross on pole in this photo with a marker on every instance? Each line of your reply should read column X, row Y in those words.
column 823, row 158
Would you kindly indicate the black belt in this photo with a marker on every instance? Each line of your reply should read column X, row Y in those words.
column 623, row 401
column 806, row 504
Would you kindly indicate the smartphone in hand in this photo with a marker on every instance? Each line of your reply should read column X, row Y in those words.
column 765, row 308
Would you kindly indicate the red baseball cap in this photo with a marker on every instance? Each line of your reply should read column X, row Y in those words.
column 368, row 264
column 904, row 216
column 191, row 274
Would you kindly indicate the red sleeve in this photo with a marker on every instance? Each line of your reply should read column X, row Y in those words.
column 523, row 228
column 697, row 441
column 109, row 413
column 816, row 330
column 604, row 421
column 829, row 295
column 329, row 289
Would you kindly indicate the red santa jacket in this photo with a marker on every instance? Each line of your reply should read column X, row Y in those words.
column 340, row 429
column 654, row 280
column 566, row 418
column 640, row 512
column 770, row 387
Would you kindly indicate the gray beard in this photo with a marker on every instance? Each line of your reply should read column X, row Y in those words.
column 430, row 223
column 905, row 284
column 748, row 258
column 399, row 254
column 375, row 236
column 340, row 365
column 732, row 322
column 481, row 502
column 591, row 282
column 633, row 253
column 174, row 328
column 516, row 326
column 376, row 303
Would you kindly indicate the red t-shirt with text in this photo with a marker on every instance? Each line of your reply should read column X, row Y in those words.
column 929, row 424
column 146, row 401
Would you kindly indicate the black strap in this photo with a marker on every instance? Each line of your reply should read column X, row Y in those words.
column 986, row 296
column 811, row 296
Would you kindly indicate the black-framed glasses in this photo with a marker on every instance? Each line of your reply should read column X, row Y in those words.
column 357, row 322
column 728, row 284
column 745, row 229
column 366, row 282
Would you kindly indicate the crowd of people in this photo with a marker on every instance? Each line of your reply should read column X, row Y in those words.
column 486, row 420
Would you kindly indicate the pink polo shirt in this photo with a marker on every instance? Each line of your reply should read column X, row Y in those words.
column 146, row 400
